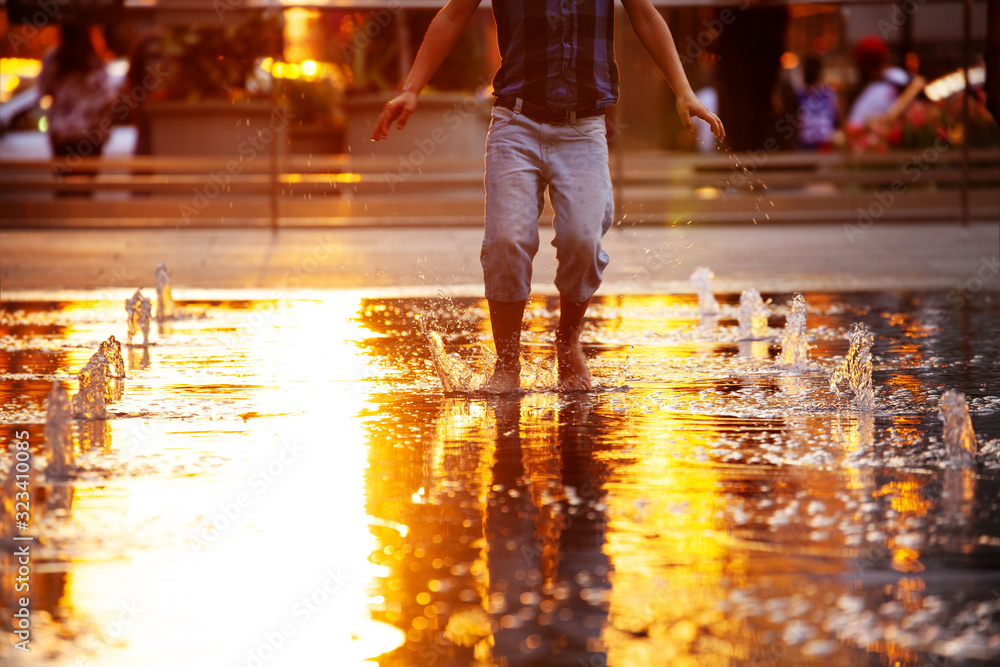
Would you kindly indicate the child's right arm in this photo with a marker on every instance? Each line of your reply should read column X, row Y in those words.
column 442, row 35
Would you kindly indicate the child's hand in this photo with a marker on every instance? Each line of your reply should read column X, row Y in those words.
column 398, row 110
column 689, row 105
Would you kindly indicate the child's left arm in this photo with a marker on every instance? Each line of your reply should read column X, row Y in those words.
column 654, row 34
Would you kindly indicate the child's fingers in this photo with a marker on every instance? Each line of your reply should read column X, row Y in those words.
column 390, row 113
column 402, row 117
column 687, row 123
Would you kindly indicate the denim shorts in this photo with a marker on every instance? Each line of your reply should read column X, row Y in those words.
column 523, row 158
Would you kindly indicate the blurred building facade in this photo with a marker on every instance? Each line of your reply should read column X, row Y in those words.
column 749, row 53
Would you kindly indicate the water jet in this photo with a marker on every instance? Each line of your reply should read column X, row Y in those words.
column 959, row 438
column 702, row 279
column 138, row 309
column 856, row 368
column 752, row 316
column 165, row 309
column 89, row 403
column 794, row 343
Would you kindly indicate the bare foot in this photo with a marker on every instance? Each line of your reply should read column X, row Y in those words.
column 573, row 372
column 504, row 381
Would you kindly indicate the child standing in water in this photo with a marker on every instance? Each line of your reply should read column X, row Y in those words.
column 557, row 75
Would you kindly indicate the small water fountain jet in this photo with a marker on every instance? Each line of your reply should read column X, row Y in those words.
column 752, row 316
column 702, row 279
column 89, row 403
column 165, row 309
column 138, row 309
column 856, row 368
column 58, row 433
column 112, row 351
column 794, row 343
column 959, row 438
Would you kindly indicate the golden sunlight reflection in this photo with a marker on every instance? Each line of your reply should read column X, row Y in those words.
column 663, row 545
column 645, row 315
column 294, row 498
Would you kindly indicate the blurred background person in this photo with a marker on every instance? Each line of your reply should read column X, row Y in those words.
column 819, row 112
column 76, row 80
column 879, row 84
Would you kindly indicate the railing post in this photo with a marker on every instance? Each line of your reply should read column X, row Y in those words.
column 966, row 65
column 274, row 183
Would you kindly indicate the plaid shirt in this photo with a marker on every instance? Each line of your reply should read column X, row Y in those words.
column 558, row 54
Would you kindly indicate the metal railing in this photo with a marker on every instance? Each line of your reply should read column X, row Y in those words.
column 651, row 188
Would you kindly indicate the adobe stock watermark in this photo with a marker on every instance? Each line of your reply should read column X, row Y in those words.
column 712, row 30
column 452, row 120
column 226, row 513
column 588, row 498
column 750, row 162
column 379, row 20
column 989, row 268
column 120, row 108
column 324, row 249
column 248, row 150
column 301, row 612
column 42, row 18
column 94, row 645
column 425, row 147
column 653, row 607
column 913, row 169
column 901, row 14
column 223, row 7
column 965, row 290
column 979, row 619
column 874, row 555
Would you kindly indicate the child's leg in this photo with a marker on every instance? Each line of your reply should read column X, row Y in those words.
column 505, row 319
column 514, row 200
column 580, row 189
column 573, row 372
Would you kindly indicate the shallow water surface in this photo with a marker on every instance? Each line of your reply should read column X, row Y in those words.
column 284, row 482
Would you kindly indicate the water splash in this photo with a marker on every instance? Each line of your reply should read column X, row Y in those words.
column 702, row 279
column 89, row 403
column 856, row 368
column 58, row 433
column 620, row 379
column 538, row 376
column 794, row 342
column 752, row 315
column 165, row 309
column 959, row 438
column 456, row 375
column 138, row 309
column 112, row 351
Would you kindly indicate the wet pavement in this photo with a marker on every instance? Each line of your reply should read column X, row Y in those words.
column 281, row 480
column 645, row 259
